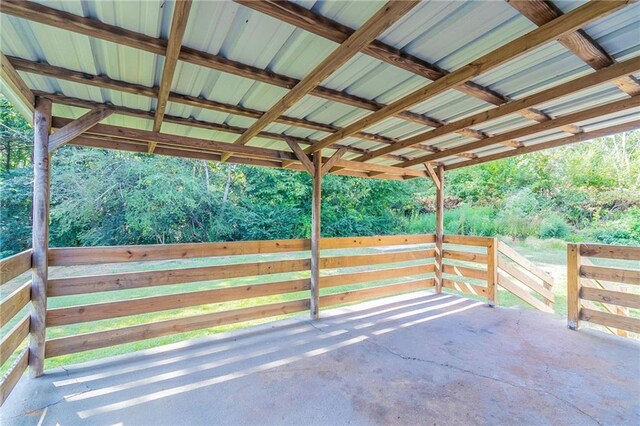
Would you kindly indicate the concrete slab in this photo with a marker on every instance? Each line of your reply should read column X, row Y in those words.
column 415, row 359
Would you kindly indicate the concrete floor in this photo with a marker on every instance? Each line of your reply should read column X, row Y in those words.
column 414, row 359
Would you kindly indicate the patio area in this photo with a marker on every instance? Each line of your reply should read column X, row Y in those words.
column 419, row 358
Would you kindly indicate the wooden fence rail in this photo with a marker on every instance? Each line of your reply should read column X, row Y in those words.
column 602, row 295
column 13, row 348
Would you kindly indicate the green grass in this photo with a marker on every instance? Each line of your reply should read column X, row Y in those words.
column 550, row 255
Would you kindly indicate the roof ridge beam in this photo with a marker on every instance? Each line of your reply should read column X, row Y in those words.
column 179, row 21
column 602, row 76
column 569, row 22
column 379, row 22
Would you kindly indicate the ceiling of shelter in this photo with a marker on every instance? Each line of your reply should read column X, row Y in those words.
column 449, row 83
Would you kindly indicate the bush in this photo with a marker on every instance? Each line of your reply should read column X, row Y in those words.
column 554, row 227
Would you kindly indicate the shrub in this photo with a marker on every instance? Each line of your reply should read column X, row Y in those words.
column 554, row 226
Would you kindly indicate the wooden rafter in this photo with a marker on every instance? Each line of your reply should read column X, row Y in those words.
column 328, row 165
column 379, row 22
column 77, row 127
column 579, row 42
column 433, row 175
column 304, row 159
column 16, row 84
column 93, row 28
column 562, row 25
column 599, row 77
column 178, row 28
column 612, row 130
column 555, row 123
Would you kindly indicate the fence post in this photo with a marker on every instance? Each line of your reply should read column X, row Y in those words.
column 439, row 226
column 492, row 272
column 314, row 307
column 573, row 286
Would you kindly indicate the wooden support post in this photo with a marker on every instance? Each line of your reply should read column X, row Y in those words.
column 39, row 264
column 492, row 272
column 573, row 285
column 315, row 235
column 439, row 227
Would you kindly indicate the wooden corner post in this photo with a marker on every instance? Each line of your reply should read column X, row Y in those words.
column 40, row 242
column 315, row 235
column 492, row 272
column 573, row 286
column 439, row 226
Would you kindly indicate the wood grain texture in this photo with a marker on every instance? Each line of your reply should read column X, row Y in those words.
column 611, row 297
column 12, row 266
column 573, row 286
column 11, row 378
column 15, row 83
column 465, row 256
column 617, row 275
column 14, row 302
column 316, row 235
column 505, row 282
column 14, row 337
column 375, row 292
column 439, row 235
column 464, row 287
column 374, row 275
column 77, row 127
column 102, row 339
column 525, row 279
column 610, row 251
column 610, row 320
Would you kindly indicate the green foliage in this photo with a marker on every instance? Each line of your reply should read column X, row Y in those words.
column 554, row 226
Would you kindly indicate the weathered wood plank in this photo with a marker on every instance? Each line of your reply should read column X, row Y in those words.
column 610, row 251
column 573, row 286
column 377, row 241
column 100, row 311
column 463, row 271
column 467, row 240
column 13, row 303
column 524, row 262
column 439, row 234
column 11, row 341
column 512, row 287
column 625, row 276
column 12, row 266
column 375, row 275
column 619, row 298
column 610, row 320
column 373, row 259
column 525, row 279
column 375, row 292
column 77, row 127
column 465, row 256
column 11, row 378
column 15, row 83
column 102, row 339
column 464, row 287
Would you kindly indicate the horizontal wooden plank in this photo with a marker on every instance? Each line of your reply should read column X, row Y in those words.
column 463, row 271
column 375, row 292
column 98, row 283
column 12, row 266
column 610, row 320
column 13, row 338
column 101, row 311
column 525, row 279
column 523, row 294
column 467, row 240
column 619, row 298
column 375, row 259
column 524, row 262
column 464, row 287
column 12, row 377
column 13, row 303
column 102, row 339
column 610, row 251
column 375, row 275
column 377, row 241
column 114, row 254
column 465, row 256
column 624, row 276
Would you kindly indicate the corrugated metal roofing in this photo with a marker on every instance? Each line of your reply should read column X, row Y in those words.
column 449, row 34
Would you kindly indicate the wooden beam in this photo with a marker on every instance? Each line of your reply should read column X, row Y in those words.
column 577, row 18
column 178, row 27
column 433, row 175
column 90, row 27
column 306, row 162
column 16, row 84
column 602, row 76
column 579, row 42
column 40, row 235
column 77, row 127
column 555, row 123
column 439, row 228
column 316, row 235
column 328, row 165
column 379, row 22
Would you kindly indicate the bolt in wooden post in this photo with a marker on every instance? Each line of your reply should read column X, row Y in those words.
column 439, row 227
column 573, row 286
column 492, row 272
column 315, row 236
column 40, row 242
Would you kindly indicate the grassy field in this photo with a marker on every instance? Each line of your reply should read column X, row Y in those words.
column 550, row 255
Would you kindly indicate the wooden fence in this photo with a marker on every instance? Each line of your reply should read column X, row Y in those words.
column 14, row 354
column 481, row 265
column 603, row 295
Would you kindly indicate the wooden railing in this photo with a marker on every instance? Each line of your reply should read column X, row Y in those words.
column 411, row 257
column 480, row 265
column 14, row 354
column 603, row 295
